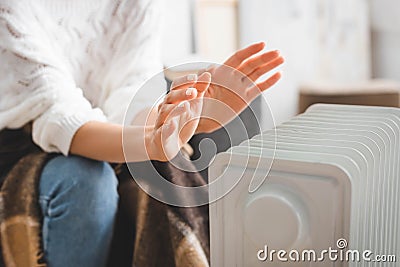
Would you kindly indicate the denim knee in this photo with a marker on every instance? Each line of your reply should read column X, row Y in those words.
column 86, row 184
column 79, row 201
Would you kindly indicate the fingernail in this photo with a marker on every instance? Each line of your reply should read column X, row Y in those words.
column 192, row 77
column 190, row 91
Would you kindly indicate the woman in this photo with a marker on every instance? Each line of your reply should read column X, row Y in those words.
column 71, row 68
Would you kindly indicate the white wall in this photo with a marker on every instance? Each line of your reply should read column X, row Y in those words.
column 177, row 40
column 216, row 28
column 287, row 27
column 325, row 40
column 320, row 39
column 215, row 35
column 385, row 24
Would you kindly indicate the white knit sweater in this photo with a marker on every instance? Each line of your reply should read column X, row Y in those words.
column 66, row 62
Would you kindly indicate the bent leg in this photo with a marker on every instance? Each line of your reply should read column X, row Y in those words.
column 78, row 199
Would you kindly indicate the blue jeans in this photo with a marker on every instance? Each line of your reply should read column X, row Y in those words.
column 79, row 200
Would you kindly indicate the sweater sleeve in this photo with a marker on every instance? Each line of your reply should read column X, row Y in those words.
column 35, row 82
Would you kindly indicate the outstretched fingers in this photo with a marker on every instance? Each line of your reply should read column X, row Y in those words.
column 250, row 65
column 263, row 69
column 178, row 95
column 169, row 110
column 258, row 88
column 184, row 81
column 236, row 59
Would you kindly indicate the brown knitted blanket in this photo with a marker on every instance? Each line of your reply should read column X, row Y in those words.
column 156, row 234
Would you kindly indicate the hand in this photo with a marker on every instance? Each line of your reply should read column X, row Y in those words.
column 178, row 117
column 234, row 86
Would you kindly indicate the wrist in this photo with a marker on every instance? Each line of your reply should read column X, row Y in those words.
column 149, row 143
